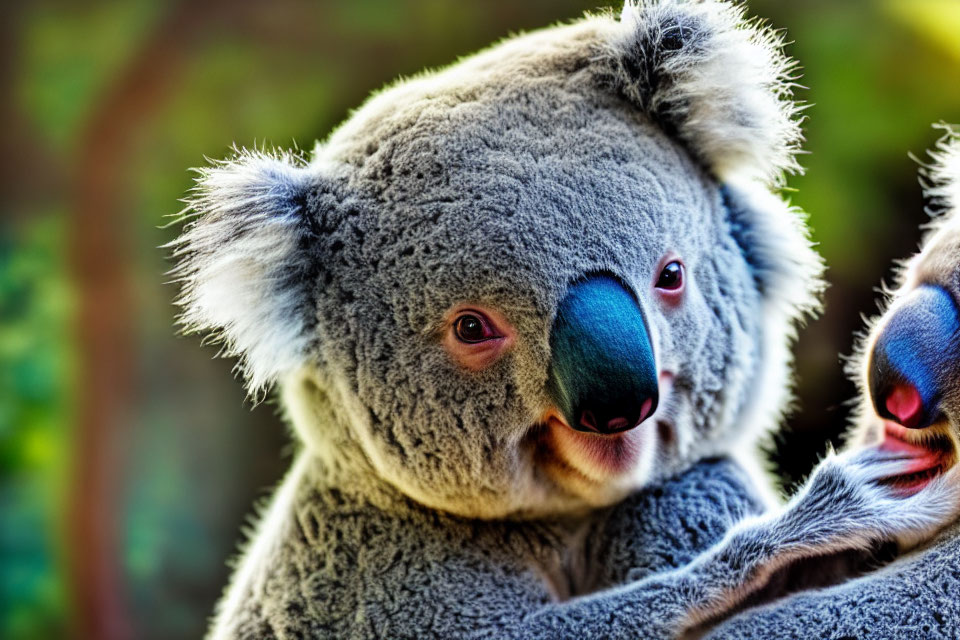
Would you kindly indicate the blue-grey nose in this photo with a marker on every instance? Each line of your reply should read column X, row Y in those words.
column 603, row 377
column 913, row 359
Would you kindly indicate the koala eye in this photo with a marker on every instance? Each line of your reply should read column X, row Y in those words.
column 476, row 339
column 473, row 328
column 671, row 277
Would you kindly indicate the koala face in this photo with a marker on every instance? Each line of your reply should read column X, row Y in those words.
column 527, row 284
column 912, row 359
column 446, row 314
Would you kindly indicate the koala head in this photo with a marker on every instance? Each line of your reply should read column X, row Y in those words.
column 533, row 281
column 910, row 364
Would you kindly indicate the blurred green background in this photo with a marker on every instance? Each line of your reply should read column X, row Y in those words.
column 129, row 459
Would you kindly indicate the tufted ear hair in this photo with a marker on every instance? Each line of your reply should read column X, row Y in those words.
column 775, row 243
column 788, row 274
column 718, row 82
column 941, row 179
column 244, row 261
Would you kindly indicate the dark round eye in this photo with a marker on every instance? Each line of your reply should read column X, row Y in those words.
column 671, row 277
column 471, row 328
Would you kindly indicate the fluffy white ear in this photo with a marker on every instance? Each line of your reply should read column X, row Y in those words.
column 942, row 178
column 776, row 244
column 244, row 264
column 715, row 80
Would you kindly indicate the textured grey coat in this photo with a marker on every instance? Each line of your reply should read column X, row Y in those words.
column 343, row 565
column 433, row 499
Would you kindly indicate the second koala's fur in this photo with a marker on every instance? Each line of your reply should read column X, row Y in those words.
column 595, row 196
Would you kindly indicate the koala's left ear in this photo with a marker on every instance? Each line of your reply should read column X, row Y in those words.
column 718, row 82
column 245, row 262
column 775, row 243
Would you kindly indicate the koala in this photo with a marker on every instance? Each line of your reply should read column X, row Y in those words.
column 907, row 370
column 523, row 314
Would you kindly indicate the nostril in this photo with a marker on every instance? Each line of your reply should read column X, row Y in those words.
column 905, row 404
column 645, row 409
column 618, row 424
column 588, row 421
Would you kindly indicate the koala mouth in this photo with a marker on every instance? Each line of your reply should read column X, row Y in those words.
column 609, row 459
column 932, row 450
column 595, row 455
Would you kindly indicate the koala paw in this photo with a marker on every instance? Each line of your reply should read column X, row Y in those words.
column 853, row 500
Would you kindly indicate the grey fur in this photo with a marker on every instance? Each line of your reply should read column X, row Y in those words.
column 346, row 566
column 344, row 563
column 427, row 499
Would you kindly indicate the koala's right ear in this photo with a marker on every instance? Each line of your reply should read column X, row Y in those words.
column 245, row 262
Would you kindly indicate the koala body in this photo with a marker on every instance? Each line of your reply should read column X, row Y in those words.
column 909, row 372
column 331, row 563
column 523, row 313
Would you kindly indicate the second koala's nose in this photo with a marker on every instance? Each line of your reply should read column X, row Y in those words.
column 602, row 371
column 913, row 357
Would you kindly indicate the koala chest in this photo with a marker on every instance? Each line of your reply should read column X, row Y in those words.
column 559, row 561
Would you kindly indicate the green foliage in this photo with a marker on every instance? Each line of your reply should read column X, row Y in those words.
column 35, row 368
column 70, row 54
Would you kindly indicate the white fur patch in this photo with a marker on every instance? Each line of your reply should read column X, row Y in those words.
column 944, row 173
column 238, row 259
column 792, row 273
column 722, row 81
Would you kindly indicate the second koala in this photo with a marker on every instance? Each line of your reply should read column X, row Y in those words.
column 909, row 374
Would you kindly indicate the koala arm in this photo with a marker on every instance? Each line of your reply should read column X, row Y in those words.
column 843, row 507
column 917, row 596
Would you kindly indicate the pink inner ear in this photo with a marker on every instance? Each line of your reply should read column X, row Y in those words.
column 905, row 404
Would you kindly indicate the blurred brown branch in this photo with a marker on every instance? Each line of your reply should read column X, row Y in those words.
column 106, row 317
